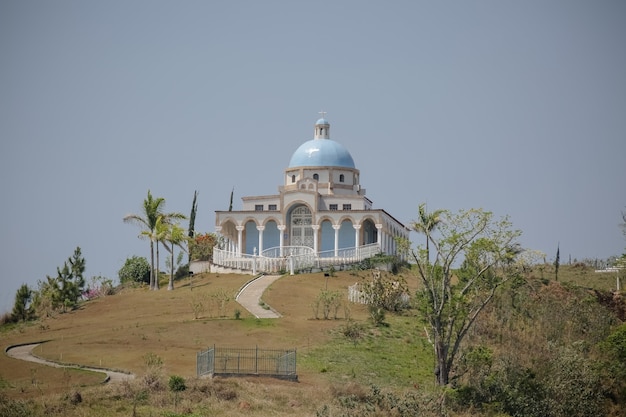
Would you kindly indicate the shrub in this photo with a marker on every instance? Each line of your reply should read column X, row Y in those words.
column 176, row 383
column 154, row 366
column 16, row 408
column 182, row 272
column 353, row 331
column 135, row 269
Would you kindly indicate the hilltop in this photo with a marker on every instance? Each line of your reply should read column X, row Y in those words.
column 124, row 331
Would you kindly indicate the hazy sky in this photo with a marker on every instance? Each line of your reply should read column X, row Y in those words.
column 515, row 107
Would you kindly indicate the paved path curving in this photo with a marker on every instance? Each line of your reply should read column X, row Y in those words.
column 251, row 294
column 25, row 352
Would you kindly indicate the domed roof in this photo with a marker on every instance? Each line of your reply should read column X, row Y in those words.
column 322, row 121
column 321, row 153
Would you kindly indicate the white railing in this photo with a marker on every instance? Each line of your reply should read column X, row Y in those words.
column 292, row 258
column 278, row 252
column 355, row 295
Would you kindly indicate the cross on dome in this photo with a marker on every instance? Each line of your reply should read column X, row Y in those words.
column 323, row 113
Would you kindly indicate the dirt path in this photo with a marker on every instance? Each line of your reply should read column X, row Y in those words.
column 250, row 296
column 25, row 353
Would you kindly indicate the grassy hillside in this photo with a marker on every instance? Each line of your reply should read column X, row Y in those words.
column 121, row 331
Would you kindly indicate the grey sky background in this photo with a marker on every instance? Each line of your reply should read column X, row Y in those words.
column 515, row 107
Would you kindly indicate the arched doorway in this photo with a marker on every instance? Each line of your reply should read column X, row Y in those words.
column 300, row 225
column 370, row 233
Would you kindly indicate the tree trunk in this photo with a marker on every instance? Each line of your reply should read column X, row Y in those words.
column 171, row 284
column 156, row 278
column 151, row 264
column 442, row 373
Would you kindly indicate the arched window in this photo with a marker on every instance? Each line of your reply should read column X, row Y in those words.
column 316, row 177
column 342, row 178
column 301, row 230
column 293, row 178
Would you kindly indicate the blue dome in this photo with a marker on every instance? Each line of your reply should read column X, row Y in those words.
column 322, row 121
column 321, row 153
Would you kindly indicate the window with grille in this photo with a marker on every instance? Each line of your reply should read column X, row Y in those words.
column 301, row 230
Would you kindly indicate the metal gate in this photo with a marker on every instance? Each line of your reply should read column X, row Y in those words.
column 278, row 363
column 205, row 362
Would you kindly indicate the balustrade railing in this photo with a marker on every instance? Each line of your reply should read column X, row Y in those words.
column 293, row 258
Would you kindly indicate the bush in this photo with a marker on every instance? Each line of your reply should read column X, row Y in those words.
column 154, row 367
column 16, row 408
column 135, row 269
column 329, row 301
column 182, row 272
column 177, row 383
column 353, row 331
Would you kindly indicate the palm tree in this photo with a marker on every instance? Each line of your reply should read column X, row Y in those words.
column 152, row 214
column 175, row 236
column 158, row 236
column 426, row 223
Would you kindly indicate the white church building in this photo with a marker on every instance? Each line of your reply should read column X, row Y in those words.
column 320, row 216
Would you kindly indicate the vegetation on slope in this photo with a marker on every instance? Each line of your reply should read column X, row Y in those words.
column 541, row 348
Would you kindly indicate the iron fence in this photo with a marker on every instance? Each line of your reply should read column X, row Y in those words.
column 278, row 363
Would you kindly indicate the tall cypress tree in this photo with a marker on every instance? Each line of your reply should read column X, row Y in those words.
column 557, row 262
column 192, row 221
column 230, row 207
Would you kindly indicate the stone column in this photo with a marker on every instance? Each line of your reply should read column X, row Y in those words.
column 336, row 227
column 240, row 230
column 260, row 229
column 281, row 229
column 316, row 229
column 357, row 227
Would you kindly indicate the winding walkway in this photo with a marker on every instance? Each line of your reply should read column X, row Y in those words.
column 250, row 296
column 25, row 353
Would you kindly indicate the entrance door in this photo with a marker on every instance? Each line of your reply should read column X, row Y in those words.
column 301, row 230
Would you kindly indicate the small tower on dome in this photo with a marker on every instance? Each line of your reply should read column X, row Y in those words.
column 322, row 127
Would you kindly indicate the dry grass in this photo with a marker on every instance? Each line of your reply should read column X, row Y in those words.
column 117, row 332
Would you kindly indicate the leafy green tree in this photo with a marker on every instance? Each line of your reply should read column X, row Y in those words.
column 70, row 280
column 426, row 223
column 63, row 291
column 22, row 310
column 449, row 300
column 202, row 246
column 44, row 298
column 152, row 210
column 135, row 269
